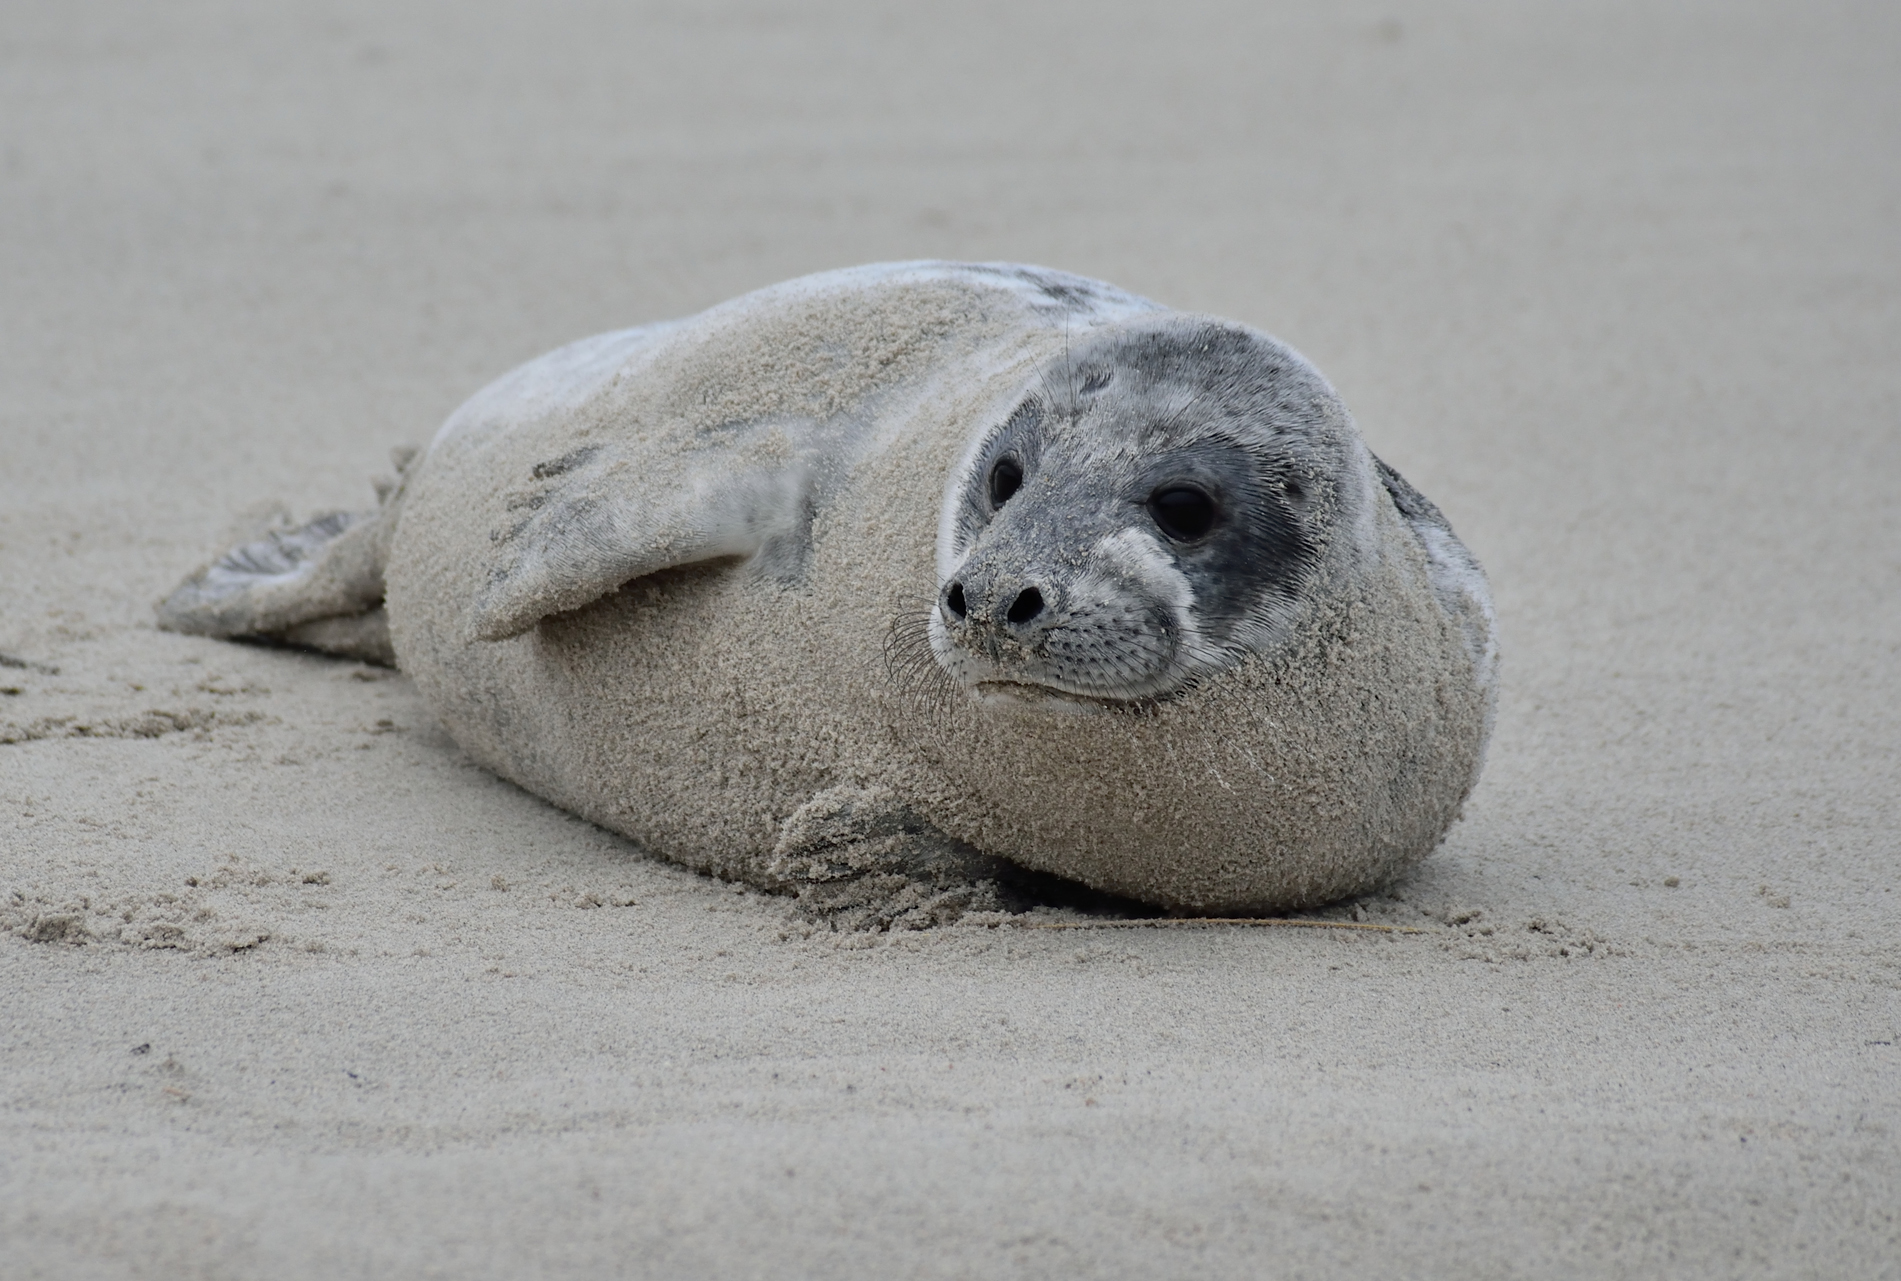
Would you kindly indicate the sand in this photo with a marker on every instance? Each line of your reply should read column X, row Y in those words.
column 293, row 988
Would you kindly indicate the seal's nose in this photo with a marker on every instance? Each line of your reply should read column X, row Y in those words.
column 980, row 605
column 1027, row 605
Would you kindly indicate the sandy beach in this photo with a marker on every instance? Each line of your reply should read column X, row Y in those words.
column 290, row 988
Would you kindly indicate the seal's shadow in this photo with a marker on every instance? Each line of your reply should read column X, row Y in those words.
column 1027, row 891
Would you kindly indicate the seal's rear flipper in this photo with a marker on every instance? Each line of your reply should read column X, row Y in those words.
column 362, row 636
column 319, row 584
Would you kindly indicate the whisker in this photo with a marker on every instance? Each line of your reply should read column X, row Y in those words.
column 1057, row 407
column 911, row 663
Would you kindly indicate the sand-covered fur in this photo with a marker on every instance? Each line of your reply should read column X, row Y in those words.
column 686, row 580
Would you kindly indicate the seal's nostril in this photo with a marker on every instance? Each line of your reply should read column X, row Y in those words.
column 954, row 599
column 1026, row 606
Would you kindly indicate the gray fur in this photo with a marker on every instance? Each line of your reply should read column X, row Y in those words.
column 1129, row 611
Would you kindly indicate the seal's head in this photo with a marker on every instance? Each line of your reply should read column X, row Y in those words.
column 1151, row 511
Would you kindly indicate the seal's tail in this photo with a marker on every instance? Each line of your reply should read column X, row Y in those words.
column 318, row 584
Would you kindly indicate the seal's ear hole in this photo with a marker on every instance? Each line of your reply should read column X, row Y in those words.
column 1005, row 479
column 1095, row 379
column 1184, row 512
column 1293, row 489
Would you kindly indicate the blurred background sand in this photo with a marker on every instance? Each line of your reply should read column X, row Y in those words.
column 291, row 989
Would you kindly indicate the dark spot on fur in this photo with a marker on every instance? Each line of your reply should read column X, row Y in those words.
column 1412, row 504
column 1067, row 295
column 566, row 463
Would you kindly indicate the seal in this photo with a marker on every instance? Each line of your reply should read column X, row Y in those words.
column 900, row 586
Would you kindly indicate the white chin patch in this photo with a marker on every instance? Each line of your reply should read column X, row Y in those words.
column 995, row 686
column 970, row 672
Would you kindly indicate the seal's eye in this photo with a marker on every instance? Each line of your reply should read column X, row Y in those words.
column 1183, row 512
column 1005, row 479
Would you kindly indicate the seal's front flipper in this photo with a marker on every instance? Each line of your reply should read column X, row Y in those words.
column 857, row 858
column 595, row 519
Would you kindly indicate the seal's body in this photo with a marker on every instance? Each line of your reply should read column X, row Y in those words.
column 859, row 584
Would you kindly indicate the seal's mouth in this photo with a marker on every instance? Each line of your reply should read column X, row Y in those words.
column 1031, row 694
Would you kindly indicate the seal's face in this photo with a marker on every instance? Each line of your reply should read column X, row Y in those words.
column 1150, row 512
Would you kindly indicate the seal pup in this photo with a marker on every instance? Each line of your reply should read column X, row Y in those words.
column 879, row 585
